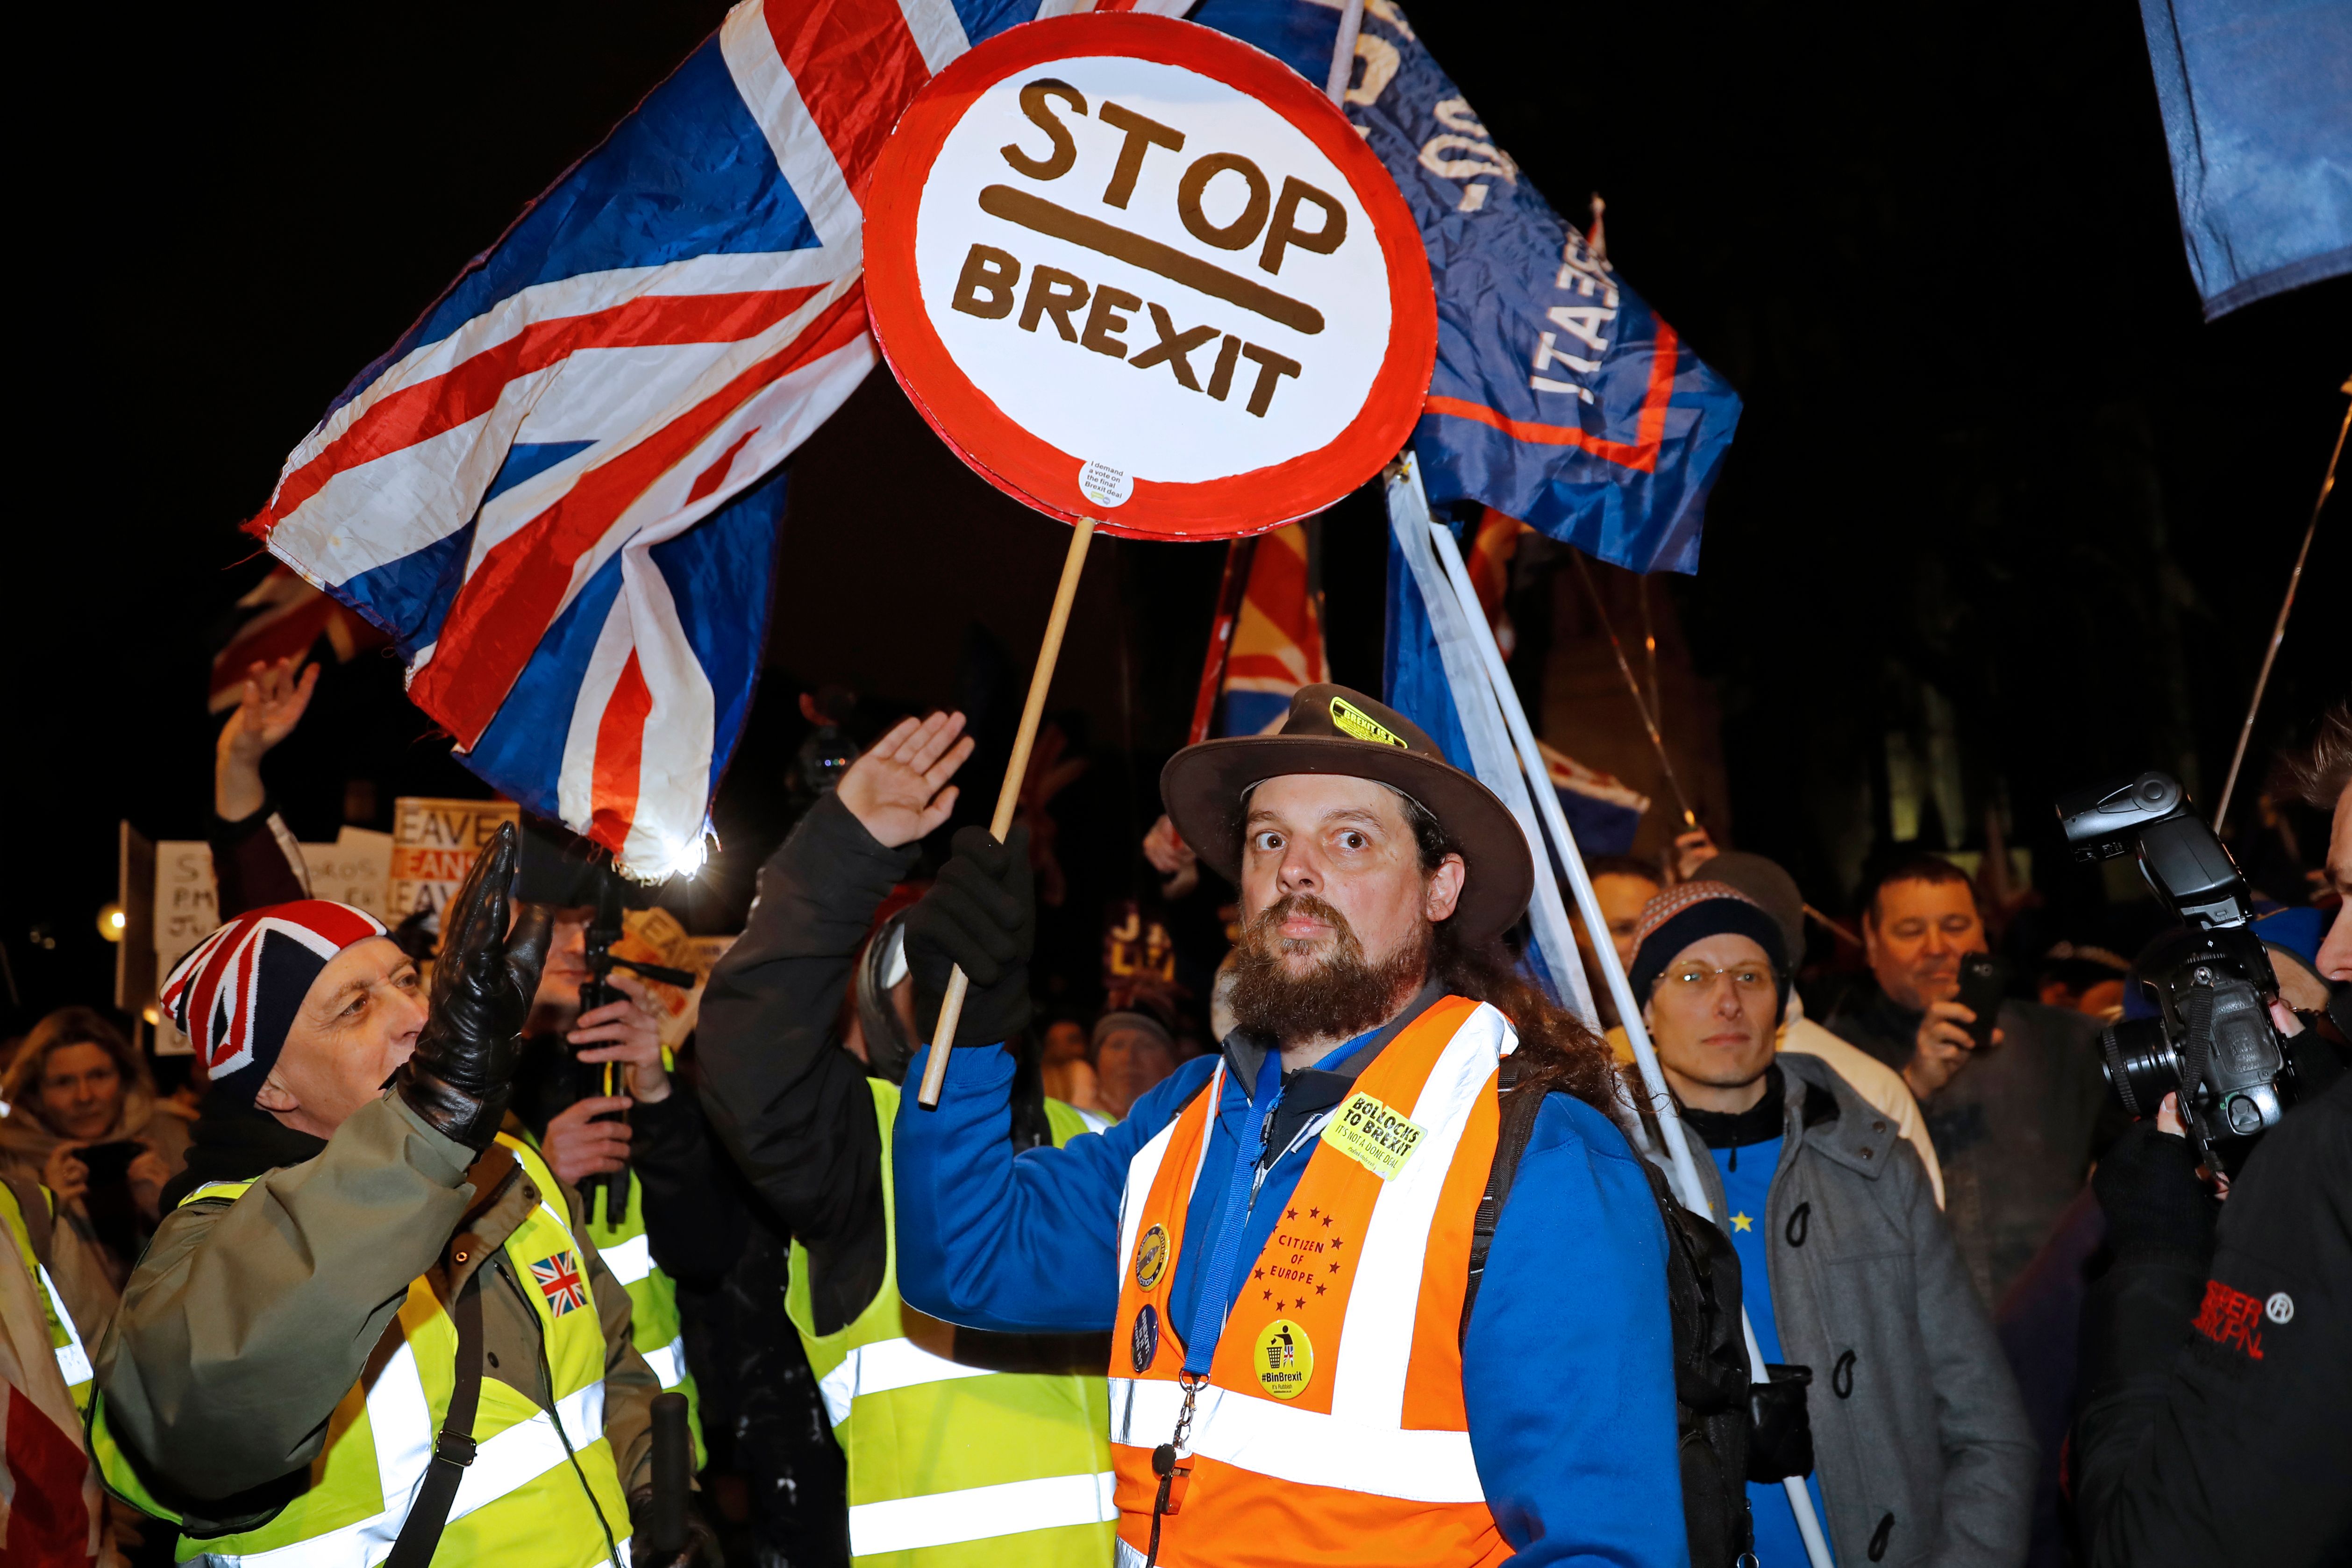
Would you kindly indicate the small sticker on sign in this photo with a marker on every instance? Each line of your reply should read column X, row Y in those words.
column 1104, row 485
column 1374, row 1135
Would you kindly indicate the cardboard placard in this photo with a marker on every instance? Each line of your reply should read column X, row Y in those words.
column 433, row 843
column 655, row 936
column 1136, row 270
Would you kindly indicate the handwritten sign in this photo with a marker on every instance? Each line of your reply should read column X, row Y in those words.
column 1136, row 270
column 433, row 843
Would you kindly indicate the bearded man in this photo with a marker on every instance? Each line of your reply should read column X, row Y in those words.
column 1281, row 1236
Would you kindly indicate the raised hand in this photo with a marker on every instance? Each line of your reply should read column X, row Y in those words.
column 276, row 695
column 898, row 791
column 462, row 1073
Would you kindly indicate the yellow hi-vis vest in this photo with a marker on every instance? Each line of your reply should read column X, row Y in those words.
column 73, row 1362
column 654, row 1325
column 954, row 1466
column 543, row 1491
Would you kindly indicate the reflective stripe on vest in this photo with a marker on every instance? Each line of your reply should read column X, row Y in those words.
column 1374, row 1448
column 979, row 1513
column 518, row 1501
column 65, row 1339
column 941, row 1454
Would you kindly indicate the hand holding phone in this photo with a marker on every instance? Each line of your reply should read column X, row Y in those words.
column 109, row 1163
column 1984, row 980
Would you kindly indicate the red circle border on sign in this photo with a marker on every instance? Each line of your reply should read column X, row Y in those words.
column 1042, row 475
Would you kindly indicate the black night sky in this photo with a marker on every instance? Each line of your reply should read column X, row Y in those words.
column 1990, row 447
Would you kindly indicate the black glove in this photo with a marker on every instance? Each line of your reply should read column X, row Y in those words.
column 701, row 1549
column 981, row 915
column 462, row 1073
column 2147, row 1183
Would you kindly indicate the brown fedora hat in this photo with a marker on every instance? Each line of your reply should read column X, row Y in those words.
column 1332, row 729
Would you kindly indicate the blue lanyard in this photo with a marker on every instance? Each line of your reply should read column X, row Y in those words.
column 1209, row 1308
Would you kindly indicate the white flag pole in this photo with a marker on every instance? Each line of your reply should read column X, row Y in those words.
column 1492, row 759
column 1670, row 1126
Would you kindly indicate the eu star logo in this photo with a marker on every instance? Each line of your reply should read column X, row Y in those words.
column 1741, row 1222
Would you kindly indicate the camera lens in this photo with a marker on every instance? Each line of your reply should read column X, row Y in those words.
column 2139, row 1064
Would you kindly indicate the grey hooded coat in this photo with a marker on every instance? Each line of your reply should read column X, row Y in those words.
column 1920, row 1441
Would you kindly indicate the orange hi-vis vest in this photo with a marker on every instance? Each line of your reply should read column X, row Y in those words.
column 1331, row 1429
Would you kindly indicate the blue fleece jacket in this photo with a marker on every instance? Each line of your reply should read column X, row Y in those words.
column 1568, row 1369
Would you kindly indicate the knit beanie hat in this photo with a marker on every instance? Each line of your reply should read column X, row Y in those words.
column 237, row 993
column 1693, row 911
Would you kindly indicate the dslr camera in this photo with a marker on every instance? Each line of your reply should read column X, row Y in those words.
column 2213, row 1040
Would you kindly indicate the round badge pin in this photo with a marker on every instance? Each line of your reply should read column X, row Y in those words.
column 1150, row 1258
column 1286, row 1359
column 1145, row 1342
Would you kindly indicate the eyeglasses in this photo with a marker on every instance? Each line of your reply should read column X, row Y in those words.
column 1696, row 979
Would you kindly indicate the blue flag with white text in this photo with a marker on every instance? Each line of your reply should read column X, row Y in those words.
column 1561, row 398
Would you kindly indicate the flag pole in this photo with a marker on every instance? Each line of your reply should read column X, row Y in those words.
column 1008, row 797
column 1588, row 903
column 1230, row 589
column 1649, row 720
column 2278, row 632
column 1343, row 53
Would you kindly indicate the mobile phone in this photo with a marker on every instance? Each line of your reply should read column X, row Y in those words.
column 1984, row 980
column 109, row 1164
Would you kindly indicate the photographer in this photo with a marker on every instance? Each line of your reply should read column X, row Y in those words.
column 2217, row 1362
column 596, row 1094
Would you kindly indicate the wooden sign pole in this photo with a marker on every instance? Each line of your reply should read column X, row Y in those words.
column 934, row 1070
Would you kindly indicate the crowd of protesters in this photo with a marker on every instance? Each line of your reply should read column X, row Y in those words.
column 1906, row 1187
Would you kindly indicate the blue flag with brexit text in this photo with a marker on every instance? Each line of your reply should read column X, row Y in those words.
column 1560, row 397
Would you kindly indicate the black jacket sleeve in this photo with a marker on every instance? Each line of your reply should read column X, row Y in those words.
column 2213, row 1422
column 694, row 1224
column 785, row 1100
column 256, row 863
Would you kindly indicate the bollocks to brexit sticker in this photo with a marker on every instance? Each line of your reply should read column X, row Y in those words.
column 1374, row 1135
column 1134, row 269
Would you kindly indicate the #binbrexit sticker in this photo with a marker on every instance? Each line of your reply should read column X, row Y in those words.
column 1286, row 1359
column 1374, row 1135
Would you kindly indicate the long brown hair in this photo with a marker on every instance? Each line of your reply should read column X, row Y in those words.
column 69, row 1027
column 1556, row 1050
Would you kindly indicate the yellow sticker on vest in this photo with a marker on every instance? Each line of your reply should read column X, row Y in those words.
column 1150, row 1256
column 1353, row 721
column 1374, row 1135
column 1286, row 1359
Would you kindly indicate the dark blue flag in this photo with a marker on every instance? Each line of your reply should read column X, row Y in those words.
column 2257, row 100
column 1560, row 397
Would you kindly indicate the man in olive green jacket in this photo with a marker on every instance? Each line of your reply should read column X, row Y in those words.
column 314, row 1197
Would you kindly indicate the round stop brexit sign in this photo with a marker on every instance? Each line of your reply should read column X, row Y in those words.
column 1136, row 270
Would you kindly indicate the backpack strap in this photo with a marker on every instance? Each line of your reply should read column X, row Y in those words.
column 1511, row 1134
column 41, row 1222
column 453, row 1450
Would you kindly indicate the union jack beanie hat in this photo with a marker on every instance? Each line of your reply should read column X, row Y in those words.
column 235, row 993
column 1693, row 911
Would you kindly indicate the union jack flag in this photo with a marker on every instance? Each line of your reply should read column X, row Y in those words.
column 556, row 491
column 559, row 1280
column 1278, row 637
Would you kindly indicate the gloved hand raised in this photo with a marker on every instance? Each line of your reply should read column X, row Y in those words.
column 462, row 1073
column 981, row 914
